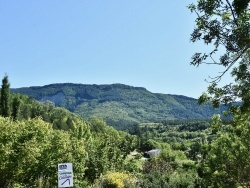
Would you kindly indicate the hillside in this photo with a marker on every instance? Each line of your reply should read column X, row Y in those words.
column 119, row 104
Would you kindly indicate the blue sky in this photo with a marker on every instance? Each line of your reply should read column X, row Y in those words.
column 141, row 43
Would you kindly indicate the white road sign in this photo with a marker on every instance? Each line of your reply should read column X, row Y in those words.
column 65, row 175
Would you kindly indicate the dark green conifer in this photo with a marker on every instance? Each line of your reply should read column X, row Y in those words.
column 5, row 97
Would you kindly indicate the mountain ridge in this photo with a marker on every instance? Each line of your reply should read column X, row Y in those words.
column 119, row 104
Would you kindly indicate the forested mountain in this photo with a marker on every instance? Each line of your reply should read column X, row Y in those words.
column 119, row 104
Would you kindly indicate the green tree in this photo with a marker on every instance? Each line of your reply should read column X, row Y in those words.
column 31, row 149
column 5, row 97
column 225, row 162
column 15, row 107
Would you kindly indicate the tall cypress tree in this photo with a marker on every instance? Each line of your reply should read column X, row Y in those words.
column 5, row 97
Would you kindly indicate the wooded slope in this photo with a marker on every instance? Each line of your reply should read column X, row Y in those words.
column 120, row 104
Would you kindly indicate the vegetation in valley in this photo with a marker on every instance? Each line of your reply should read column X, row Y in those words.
column 36, row 136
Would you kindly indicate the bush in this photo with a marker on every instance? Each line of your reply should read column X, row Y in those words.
column 116, row 180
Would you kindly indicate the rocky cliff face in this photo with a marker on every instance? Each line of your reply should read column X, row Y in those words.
column 56, row 98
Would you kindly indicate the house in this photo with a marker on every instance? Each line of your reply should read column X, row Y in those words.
column 152, row 153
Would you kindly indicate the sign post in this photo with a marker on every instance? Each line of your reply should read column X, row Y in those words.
column 65, row 175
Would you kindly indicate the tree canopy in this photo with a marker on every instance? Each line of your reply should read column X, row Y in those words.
column 225, row 25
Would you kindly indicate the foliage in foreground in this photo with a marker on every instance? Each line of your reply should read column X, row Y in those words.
column 31, row 149
column 226, row 160
column 116, row 180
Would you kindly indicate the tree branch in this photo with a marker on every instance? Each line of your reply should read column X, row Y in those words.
column 218, row 78
column 235, row 20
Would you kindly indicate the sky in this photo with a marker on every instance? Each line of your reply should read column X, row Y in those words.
column 141, row 43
